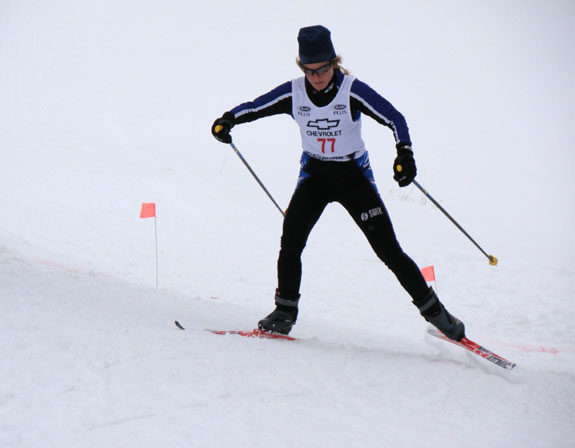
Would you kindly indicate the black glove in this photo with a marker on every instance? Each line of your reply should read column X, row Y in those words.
column 222, row 127
column 404, row 170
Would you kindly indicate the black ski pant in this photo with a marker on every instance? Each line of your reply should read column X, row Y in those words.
column 353, row 186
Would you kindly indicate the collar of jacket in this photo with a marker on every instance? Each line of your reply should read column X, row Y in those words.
column 323, row 97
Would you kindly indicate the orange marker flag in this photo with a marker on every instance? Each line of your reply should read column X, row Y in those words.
column 428, row 274
column 148, row 210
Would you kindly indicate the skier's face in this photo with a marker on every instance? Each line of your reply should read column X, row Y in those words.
column 319, row 74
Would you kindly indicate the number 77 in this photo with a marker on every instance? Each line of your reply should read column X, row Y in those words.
column 323, row 140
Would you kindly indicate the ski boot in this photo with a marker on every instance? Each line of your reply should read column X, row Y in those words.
column 282, row 319
column 435, row 313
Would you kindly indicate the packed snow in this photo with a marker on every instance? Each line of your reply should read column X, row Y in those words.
column 106, row 105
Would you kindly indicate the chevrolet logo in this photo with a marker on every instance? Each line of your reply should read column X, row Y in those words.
column 323, row 125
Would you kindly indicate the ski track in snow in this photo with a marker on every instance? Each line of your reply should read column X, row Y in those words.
column 97, row 361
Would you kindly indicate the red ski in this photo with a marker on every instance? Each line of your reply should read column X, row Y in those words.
column 254, row 334
column 248, row 334
column 473, row 347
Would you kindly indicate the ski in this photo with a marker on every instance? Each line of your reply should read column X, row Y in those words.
column 254, row 334
column 248, row 334
column 475, row 348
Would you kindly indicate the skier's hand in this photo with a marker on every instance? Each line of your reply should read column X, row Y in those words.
column 404, row 169
column 222, row 127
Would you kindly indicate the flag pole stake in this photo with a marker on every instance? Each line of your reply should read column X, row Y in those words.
column 156, row 232
column 149, row 211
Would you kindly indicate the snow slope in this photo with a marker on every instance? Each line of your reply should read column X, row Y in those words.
column 105, row 105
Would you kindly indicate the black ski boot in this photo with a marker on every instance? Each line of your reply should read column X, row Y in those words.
column 435, row 313
column 282, row 319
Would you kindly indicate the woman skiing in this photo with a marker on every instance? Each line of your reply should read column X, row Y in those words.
column 327, row 104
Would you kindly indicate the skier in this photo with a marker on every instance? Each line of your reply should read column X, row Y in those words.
column 327, row 104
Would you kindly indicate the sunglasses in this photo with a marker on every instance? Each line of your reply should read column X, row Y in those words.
column 317, row 71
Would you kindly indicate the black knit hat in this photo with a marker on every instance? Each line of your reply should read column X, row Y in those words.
column 315, row 45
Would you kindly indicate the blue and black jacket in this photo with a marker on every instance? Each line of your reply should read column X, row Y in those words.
column 363, row 99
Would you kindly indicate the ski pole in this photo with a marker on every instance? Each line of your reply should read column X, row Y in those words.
column 492, row 260
column 255, row 175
